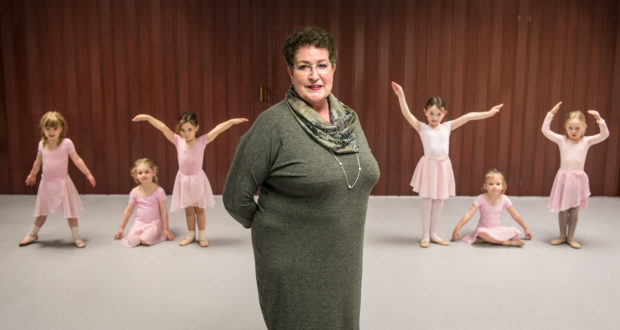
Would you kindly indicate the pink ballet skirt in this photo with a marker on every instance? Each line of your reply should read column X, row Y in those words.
column 433, row 178
column 151, row 232
column 501, row 233
column 570, row 189
column 491, row 221
column 58, row 195
column 191, row 190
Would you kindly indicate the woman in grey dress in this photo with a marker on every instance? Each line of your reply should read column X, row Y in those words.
column 309, row 161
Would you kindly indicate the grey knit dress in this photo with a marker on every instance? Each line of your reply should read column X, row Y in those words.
column 307, row 227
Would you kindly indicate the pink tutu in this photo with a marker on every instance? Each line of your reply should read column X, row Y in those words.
column 58, row 196
column 151, row 232
column 191, row 190
column 500, row 233
column 570, row 189
column 433, row 178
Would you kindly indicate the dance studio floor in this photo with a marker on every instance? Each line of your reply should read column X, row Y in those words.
column 52, row 285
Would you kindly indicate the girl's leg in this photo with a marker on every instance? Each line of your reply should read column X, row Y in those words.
column 427, row 205
column 563, row 221
column 573, row 217
column 191, row 226
column 201, row 219
column 33, row 234
column 487, row 238
column 73, row 224
column 435, row 212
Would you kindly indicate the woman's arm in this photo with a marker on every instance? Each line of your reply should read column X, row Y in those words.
column 164, row 218
column 517, row 217
column 470, row 213
column 404, row 109
column 79, row 163
column 255, row 154
column 31, row 180
column 126, row 215
column 221, row 127
column 169, row 134
column 460, row 121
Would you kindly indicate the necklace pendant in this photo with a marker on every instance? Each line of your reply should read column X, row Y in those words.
column 359, row 170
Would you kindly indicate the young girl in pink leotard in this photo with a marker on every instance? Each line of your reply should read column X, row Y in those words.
column 151, row 223
column 571, row 186
column 433, row 177
column 192, row 190
column 491, row 205
column 57, row 193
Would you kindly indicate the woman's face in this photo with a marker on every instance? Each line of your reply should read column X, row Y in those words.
column 312, row 83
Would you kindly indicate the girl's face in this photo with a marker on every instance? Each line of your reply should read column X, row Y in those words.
column 434, row 116
column 144, row 174
column 52, row 133
column 494, row 185
column 188, row 132
column 575, row 129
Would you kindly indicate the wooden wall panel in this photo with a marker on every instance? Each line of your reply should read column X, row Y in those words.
column 102, row 62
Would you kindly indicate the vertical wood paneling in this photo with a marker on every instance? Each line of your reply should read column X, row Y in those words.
column 102, row 62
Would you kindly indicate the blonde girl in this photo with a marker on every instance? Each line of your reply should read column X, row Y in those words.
column 151, row 223
column 57, row 193
column 571, row 186
column 433, row 177
column 192, row 190
column 491, row 204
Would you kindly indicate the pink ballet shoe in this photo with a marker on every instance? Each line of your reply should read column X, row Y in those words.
column 440, row 242
column 514, row 242
column 187, row 240
column 424, row 243
column 79, row 243
column 28, row 240
column 557, row 241
column 203, row 242
column 574, row 244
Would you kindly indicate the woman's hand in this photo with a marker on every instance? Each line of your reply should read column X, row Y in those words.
column 31, row 180
column 555, row 109
column 595, row 114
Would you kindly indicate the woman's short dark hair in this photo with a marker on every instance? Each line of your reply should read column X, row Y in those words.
column 309, row 36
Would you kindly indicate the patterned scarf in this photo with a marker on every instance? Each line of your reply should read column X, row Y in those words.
column 338, row 136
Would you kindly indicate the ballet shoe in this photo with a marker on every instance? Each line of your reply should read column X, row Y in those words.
column 514, row 242
column 557, row 241
column 79, row 243
column 29, row 239
column 440, row 242
column 203, row 242
column 424, row 243
column 574, row 244
column 187, row 240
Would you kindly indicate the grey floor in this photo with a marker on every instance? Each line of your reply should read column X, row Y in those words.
column 52, row 285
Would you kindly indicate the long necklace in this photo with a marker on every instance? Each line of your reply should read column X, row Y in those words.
column 359, row 169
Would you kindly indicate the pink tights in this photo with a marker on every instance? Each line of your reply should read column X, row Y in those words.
column 431, row 208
